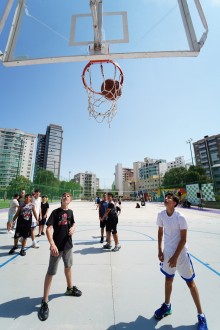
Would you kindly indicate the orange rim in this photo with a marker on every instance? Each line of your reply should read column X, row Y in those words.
column 100, row 62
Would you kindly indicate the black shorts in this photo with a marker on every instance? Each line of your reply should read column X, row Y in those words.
column 42, row 222
column 23, row 231
column 103, row 224
column 111, row 225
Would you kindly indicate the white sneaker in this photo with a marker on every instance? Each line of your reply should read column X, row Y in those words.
column 116, row 248
column 35, row 246
column 11, row 232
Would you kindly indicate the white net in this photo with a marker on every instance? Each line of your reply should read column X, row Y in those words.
column 103, row 82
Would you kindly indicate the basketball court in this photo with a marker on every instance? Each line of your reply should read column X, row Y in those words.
column 121, row 290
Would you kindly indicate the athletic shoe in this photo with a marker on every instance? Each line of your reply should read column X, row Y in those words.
column 102, row 239
column 22, row 253
column 43, row 311
column 11, row 232
column 116, row 248
column 38, row 235
column 74, row 291
column 35, row 246
column 12, row 251
column 42, row 233
column 202, row 324
column 164, row 310
column 107, row 246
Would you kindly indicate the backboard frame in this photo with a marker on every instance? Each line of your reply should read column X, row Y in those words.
column 194, row 44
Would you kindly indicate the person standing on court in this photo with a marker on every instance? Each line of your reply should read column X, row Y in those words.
column 175, row 257
column 111, row 224
column 36, row 201
column 11, row 212
column 21, row 197
column 61, row 223
column 103, row 205
column 44, row 212
column 24, row 220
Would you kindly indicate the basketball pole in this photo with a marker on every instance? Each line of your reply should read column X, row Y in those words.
column 96, row 10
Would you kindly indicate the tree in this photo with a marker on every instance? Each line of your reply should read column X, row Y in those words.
column 175, row 177
column 180, row 176
column 18, row 184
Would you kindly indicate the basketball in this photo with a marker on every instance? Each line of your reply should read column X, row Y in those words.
column 111, row 89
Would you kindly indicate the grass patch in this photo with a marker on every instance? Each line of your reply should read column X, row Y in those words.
column 4, row 204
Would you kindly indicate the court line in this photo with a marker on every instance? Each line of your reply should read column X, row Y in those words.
column 205, row 264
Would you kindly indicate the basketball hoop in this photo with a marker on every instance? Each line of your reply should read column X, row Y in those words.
column 103, row 92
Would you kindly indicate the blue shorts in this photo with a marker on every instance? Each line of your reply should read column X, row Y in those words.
column 10, row 217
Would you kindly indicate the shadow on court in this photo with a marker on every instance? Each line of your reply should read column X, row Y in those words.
column 22, row 306
column 141, row 323
column 91, row 250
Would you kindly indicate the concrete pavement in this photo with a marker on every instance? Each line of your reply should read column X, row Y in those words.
column 121, row 290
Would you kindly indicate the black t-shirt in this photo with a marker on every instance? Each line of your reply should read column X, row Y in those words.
column 61, row 220
column 112, row 215
column 44, row 207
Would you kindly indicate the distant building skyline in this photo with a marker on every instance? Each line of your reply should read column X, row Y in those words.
column 207, row 155
column 49, row 150
column 16, row 154
column 88, row 181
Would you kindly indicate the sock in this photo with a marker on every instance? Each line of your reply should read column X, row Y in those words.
column 201, row 315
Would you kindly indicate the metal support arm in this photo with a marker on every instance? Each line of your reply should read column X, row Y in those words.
column 96, row 9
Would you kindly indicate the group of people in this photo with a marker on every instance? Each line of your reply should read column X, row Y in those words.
column 172, row 248
column 28, row 211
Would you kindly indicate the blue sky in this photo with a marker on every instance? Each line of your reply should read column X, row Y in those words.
column 164, row 103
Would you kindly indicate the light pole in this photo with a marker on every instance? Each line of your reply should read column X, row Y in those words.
column 189, row 142
column 69, row 175
column 208, row 157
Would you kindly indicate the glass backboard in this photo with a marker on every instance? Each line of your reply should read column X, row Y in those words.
column 52, row 31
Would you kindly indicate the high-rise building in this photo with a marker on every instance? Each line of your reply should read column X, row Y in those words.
column 16, row 155
column 178, row 162
column 88, row 182
column 49, row 150
column 122, row 174
column 207, row 155
column 136, row 167
column 152, row 167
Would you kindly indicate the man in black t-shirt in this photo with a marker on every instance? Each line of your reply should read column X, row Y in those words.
column 62, row 222
column 111, row 224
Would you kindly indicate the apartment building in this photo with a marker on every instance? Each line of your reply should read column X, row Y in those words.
column 16, row 154
column 49, row 150
column 207, row 155
column 88, row 182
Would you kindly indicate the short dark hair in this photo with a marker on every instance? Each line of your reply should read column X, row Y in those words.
column 16, row 195
column 36, row 190
column 175, row 198
column 27, row 195
column 110, row 194
column 66, row 193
